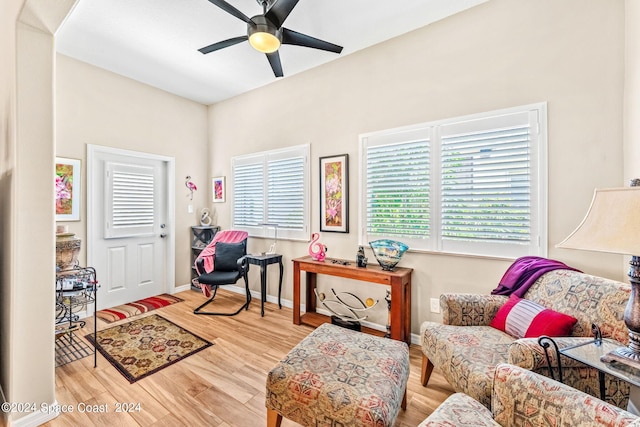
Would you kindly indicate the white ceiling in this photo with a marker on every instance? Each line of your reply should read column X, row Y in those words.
column 156, row 41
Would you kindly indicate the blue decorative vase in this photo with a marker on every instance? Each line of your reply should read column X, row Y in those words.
column 388, row 252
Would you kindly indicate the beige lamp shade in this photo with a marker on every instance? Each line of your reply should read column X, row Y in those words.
column 612, row 223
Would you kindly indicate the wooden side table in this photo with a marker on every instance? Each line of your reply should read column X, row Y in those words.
column 263, row 261
column 399, row 280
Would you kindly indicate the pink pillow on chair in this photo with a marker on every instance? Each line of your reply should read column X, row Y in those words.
column 522, row 318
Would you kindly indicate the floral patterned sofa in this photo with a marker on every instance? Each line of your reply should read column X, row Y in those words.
column 521, row 397
column 466, row 349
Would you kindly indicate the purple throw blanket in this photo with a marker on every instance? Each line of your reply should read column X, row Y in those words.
column 524, row 272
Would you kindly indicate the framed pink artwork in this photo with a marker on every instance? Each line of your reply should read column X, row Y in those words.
column 67, row 185
column 219, row 188
column 334, row 193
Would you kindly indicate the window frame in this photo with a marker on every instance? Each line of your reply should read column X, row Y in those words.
column 537, row 244
column 265, row 229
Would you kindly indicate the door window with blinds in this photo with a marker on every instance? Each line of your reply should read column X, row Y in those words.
column 271, row 191
column 130, row 200
column 473, row 185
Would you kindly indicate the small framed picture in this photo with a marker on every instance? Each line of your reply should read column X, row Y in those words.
column 218, row 186
column 67, row 184
column 334, row 193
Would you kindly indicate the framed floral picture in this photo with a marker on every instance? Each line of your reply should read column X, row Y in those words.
column 334, row 193
column 67, row 184
column 218, row 186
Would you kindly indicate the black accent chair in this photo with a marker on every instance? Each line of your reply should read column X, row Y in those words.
column 229, row 265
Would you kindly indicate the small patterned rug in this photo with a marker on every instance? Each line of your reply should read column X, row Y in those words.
column 143, row 346
column 135, row 308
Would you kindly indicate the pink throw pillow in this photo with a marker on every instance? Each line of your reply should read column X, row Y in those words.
column 522, row 318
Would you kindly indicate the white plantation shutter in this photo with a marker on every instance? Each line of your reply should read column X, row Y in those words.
column 472, row 185
column 486, row 180
column 285, row 194
column 272, row 189
column 130, row 200
column 397, row 194
column 248, row 199
column 486, row 184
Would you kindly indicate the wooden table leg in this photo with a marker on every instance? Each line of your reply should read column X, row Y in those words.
column 407, row 312
column 310, row 303
column 397, row 300
column 296, row 293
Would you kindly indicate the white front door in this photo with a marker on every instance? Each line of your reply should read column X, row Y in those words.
column 129, row 228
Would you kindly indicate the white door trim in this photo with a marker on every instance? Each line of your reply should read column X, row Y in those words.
column 92, row 152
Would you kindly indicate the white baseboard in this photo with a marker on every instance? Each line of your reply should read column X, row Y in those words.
column 43, row 414
column 181, row 288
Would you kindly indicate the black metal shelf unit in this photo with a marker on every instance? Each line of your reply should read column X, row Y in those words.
column 201, row 236
column 76, row 290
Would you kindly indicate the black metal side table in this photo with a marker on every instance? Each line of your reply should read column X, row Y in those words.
column 263, row 261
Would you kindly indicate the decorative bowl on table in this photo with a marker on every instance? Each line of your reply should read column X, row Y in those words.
column 388, row 252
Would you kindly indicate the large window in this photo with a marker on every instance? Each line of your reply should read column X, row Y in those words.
column 271, row 189
column 471, row 185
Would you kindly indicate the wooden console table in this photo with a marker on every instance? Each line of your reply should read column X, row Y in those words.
column 399, row 280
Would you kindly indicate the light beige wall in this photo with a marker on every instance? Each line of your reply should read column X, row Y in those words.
column 632, row 91
column 95, row 106
column 33, row 163
column 27, row 220
column 8, row 22
column 496, row 55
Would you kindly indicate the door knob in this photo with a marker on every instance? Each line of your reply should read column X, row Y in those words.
column 163, row 235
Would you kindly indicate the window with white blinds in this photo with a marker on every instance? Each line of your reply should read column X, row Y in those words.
column 271, row 189
column 130, row 200
column 285, row 193
column 397, row 191
column 473, row 185
column 248, row 194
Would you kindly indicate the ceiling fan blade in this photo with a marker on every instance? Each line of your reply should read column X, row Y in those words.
column 231, row 10
column 276, row 65
column 299, row 39
column 279, row 11
column 223, row 44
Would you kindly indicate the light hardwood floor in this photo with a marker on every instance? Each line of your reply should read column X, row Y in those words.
column 223, row 385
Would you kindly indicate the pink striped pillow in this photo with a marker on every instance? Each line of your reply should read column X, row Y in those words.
column 522, row 318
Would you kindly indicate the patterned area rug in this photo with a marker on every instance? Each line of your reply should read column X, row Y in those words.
column 135, row 308
column 144, row 346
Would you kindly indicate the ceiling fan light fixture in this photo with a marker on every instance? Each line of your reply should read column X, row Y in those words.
column 264, row 42
column 263, row 35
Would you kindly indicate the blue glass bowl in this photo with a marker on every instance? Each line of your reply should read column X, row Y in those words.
column 388, row 252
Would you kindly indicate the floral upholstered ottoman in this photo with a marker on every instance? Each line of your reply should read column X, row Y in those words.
column 339, row 377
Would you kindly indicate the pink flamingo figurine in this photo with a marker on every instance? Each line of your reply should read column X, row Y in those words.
column 316, row 249
column 191, row 186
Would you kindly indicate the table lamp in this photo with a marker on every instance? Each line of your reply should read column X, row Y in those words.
column 612, row 224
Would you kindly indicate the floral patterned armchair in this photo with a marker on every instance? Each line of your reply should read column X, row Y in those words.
column 521, row 397
column 466, row 349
